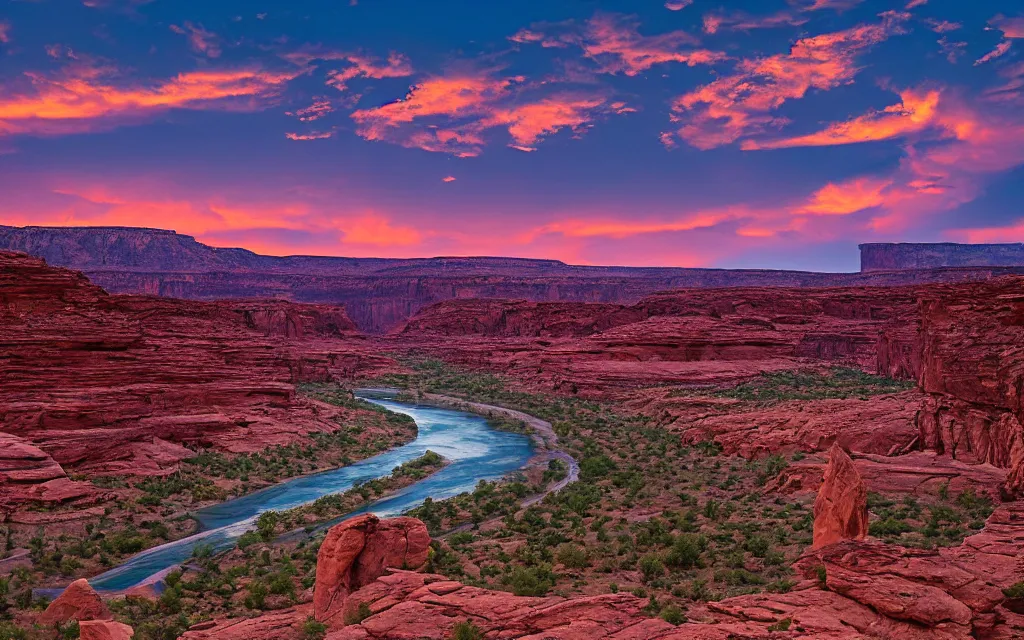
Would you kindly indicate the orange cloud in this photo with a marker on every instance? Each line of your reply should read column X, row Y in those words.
column 82, row 98
column 377, row 230
column 450, row 115
column 199, row 39
column 847, row 197
column 916, row 112
column 741, row 104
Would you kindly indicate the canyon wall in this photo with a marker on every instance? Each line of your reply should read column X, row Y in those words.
column 908, row 255
column 380, row 294
column 116, row 384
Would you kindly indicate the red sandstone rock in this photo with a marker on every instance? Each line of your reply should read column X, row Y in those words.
column 104, row 630
column 358, row 551
column 153, row 374
column 841, row 509
column 78, row 602
column 278, row 625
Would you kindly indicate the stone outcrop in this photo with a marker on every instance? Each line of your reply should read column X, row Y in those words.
column 972, row 346
column 78, row 602
column 153, row 374
column 276, row 625
column 104, row 630
column 380, row 294
column 357, row 552
column 895, row 256
column 841, row 508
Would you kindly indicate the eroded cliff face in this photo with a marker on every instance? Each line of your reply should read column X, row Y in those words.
column 972, row 353
column 908, row 255
column 116, row 384
column 381, row 294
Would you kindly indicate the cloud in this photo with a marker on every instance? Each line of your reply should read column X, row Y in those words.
column 84, row 97
column 359, row 65
column 448, row 179
column 1011, row 27
column 743, row 103
column 916, row 112
column 847, row 197
column 58, row 51
column 320, row 108
column 615, row 44
column 835, row 5
column 677, row 5
column 742, row 21
column 1001, row 49
column 199, row 39
column 314, row 135
column 396, row 66
column 5, row 31
column 953, row 49
column 1009, row 233
column 379, row 231
column 943, row 26
column 450, row 114
column 915, row 3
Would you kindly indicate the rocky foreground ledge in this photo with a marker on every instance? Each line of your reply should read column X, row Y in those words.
column 368, row 587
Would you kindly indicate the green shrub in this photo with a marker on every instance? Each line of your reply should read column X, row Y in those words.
column 466, row 631
column 313, row 630
column 572, row 556
column 673, row 615
column 360, row 613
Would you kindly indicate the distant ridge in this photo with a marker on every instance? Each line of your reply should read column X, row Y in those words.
column 881, row 256
column 382, row 293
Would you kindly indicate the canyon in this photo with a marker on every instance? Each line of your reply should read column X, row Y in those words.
column 379, row 295
column 833, row 406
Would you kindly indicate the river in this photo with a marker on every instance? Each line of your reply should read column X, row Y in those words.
column 475, row 451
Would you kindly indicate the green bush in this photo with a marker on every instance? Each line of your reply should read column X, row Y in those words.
column 466, row 631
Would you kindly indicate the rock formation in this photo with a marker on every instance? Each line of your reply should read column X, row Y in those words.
column 357, row 552
column 78, row 602
column 841, row 508
column 153, row 374
column 380, row 294
column 885, row 256
column 104, row 630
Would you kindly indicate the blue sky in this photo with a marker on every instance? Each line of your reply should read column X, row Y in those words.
column 732, row 134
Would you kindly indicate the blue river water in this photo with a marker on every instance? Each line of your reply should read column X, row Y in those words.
column 476, row 451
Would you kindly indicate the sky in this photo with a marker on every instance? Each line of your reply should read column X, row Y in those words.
column 764, row 133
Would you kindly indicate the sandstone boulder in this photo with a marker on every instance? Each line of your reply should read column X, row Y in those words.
column 78, row 602
column 358, row 551
column 104, row 630
column 841, row 509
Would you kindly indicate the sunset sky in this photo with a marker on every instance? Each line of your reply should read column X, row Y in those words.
column 640, row 132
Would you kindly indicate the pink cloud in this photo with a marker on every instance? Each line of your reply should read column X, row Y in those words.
column 742, row 21
column 314, row 135
column 448, row 179
column 742, row 104
column 915, row 3
column 677, row 5
column 5, row 31
column 1001, row 49
column 616, row 45
column 199, row 39
column 396, row 66
column 943, row 26
column 320, row 108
